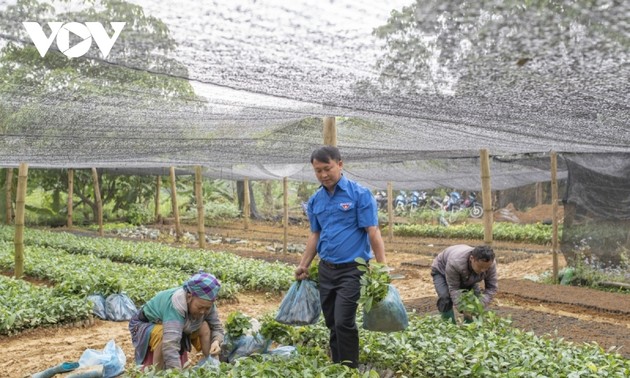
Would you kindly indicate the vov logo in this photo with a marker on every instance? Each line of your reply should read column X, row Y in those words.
column 61, row 31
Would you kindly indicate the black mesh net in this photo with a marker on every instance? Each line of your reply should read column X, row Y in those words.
column 240, row 87
column 597, row 209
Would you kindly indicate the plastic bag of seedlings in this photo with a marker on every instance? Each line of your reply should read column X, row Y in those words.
column 119, row 307
column 388, row 315
column 301, row 304
column 246, row 345
column 98, row 305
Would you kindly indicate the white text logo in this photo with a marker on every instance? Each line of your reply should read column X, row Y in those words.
column 62, row 32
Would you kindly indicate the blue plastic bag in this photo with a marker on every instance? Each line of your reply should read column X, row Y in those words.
column 286, row 351
column 301, row 305
column 208, row 363
column 111, row 357
column 119, row 307
column 98, row 305
column 388, row 315
column 245, row 345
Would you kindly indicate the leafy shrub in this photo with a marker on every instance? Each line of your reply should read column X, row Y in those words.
column 216, row 212
column 139, row 214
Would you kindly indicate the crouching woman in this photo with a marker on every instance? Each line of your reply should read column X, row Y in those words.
column 164, row 329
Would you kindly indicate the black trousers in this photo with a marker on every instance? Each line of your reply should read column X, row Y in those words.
column 339, row 291
column 444, row 303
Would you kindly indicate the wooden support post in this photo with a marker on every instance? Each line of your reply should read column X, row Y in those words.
column 390, row 211
column 539, row 193
column 9, row 193
column 486, row 191
column 330, row 131
column 246, row 203
column 70, row 195
column 554, row 213
column 285, row 205
column 201, row 230
column 98, row 201
column 158, row 188
column 178, row 230
column 20, row 202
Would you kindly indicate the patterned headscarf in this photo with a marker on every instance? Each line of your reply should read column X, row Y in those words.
column 203, row 285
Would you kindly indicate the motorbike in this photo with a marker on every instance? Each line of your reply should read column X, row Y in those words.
column 476, row 209
column 381, row 199
column 455, row 202
column 418, row 199
column 400, row 203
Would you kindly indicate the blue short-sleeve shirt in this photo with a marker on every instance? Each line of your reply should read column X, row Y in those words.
column 341, row 219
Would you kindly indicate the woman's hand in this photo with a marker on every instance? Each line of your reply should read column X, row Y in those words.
column 215, row 348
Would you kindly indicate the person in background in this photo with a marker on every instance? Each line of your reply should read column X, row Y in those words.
column 462, row 267
column 164, row 329
column 344, row 225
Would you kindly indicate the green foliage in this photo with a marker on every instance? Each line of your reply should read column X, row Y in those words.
column 307, row 363
column 276, row 331
column 215, row 212
column 374, row 283
column 23, row 305
column 237, row 325
column 531, row 233
column 313, row 272
column 138, row 214
column 232, row 270
column 469, row 303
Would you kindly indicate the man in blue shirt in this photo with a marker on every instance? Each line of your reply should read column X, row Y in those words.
column 344, row 226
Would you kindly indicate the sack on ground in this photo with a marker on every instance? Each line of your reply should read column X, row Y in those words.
column 285, row 351
column 301, row 304
column 389, row 315
column 98, row 306
column 111, row 357
column 119, row 307
column 245, row 345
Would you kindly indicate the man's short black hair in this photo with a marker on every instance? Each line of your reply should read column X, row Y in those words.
column 325, row 154
column 483, row 253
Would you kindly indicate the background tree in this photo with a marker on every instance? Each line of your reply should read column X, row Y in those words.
column 140, row 68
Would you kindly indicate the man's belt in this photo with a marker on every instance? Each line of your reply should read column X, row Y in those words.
column 330, row 265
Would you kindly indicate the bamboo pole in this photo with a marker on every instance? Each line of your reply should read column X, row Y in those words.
column 20, row 202
column 539, row 193
column 330, row 131
column 486, row 191
column 554, row 213
column 246, row 203
column 178, row 231
column 99, row 202
column 390, row 211
column 9, row 200
column 158, row 188
column 201, row 230
column 285, row 196
column 70, row 195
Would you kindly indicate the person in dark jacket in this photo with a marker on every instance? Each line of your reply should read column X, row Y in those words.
column 462, row 267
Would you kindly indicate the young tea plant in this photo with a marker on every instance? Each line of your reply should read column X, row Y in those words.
column 374, row 283
column 237, row 325
column 470, row 304
column 313, row 273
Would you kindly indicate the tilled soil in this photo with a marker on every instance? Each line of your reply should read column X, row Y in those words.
column 572, row 313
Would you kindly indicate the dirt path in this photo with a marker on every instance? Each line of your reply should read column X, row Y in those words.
column 575, row 314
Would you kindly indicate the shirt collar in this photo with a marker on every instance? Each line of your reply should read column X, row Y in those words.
column 342, row 184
